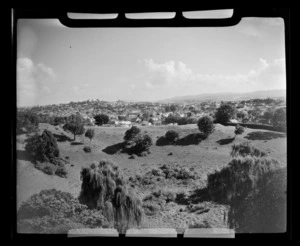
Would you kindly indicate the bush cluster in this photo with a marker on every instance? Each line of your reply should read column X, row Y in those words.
column 172, row 136
column 87, row 149
column 43, row 148
column 164, row 172
column 131, row 133
column 136, row 142
column 246, row 149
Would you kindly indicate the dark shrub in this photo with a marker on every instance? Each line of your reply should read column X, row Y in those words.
column 131, row 133
column 27, row 121
column 205, row 125
column 61, row 171
column 172, row 136
column 42, row 147
column 87, row 149
column 238, row 130
column 46, row 167
column 103, row 187
column 101, row 119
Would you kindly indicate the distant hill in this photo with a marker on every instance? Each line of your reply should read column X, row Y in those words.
column 227, row 96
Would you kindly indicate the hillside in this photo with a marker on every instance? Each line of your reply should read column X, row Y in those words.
column 204, row 158
column 227, row 96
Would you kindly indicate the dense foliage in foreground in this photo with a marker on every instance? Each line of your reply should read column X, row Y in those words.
column 53, row 211
column 104, row 188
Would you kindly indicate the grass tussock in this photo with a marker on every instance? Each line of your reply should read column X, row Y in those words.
column 157, row 201
column 103, row 187
column 246, row 149
column 239, row 178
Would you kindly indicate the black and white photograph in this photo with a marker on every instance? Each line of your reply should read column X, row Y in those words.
column 123, row 129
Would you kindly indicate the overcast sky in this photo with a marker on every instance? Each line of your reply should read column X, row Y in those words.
column 56, row 64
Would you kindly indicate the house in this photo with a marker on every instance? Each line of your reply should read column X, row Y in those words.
column 234, row 121
column 123, row 123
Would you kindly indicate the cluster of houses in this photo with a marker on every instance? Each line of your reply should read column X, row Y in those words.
column 126, row 114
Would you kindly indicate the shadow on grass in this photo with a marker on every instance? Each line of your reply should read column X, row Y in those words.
column 264, row 135
column 191, row 139
column 24, row 156
column 200, row 195
column 225, row 141
column 162, row 141
column 114, row 148
column 62, row 138
column 76, row 143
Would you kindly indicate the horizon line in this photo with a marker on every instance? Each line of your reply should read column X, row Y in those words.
column 153, row 101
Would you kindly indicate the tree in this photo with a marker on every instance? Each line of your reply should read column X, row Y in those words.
column 171, row 119
column 189, row 114
column 131, row 133
column 205, row 125
column 145, row 116
column 139, row 143
column 242, row 114
column 171, row 136
column 279, row 117
column 268, row 115
column 75, row 125
column 173, row 108
column 238, row 130
column 122, row 117
column 90, row 133
column 59, row 120
column 27, row 121
column 101, row 119
column 224, row 113
column 104, row 188
column 151, row 121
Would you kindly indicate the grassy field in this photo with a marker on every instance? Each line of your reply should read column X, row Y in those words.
column 204, row 158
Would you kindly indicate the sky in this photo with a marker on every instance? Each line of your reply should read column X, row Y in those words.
column 57, row 64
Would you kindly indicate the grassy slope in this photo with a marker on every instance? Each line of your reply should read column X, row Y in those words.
column 204, row 157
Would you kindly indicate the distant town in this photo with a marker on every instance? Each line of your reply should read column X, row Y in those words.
column 121, row 113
